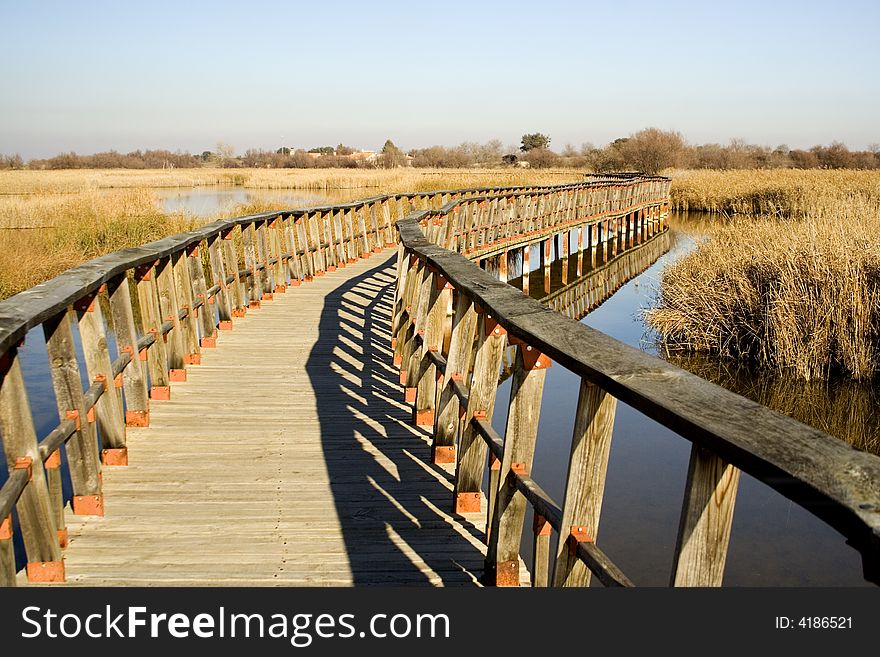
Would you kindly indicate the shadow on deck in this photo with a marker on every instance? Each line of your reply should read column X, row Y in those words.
column 392, row 503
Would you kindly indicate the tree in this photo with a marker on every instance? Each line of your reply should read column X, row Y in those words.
column 322, row 150
column 534, row 140
column 392, row 156
column 342, row 149
column 652, row 150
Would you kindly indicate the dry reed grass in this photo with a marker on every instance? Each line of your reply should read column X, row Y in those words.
column 375, row 180
column 71, row 229
column 789, row 295
column 779, row 192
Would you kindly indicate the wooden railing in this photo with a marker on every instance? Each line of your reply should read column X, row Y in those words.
column 450, row 364
column 142, row 316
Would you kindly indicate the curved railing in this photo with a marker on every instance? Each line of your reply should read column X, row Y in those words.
column 450, row 364
column 164, row 302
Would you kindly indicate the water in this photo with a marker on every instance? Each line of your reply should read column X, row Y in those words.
column 209, row 201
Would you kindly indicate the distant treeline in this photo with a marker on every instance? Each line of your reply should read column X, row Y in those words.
column 649, row 150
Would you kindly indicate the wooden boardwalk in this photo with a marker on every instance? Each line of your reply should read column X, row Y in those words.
column 287, row 458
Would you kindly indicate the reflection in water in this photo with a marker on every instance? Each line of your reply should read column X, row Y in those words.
column 845, row 409
column 209, row 201
column 602, row 277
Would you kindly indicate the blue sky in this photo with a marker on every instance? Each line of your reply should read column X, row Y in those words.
column 89, row 76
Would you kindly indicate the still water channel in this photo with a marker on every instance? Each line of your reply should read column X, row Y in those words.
column 774, row 542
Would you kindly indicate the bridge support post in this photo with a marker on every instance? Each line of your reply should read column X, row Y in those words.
column 545, row 263
column 565, row 236
column 508, row 515
column 526, row 269
column 580, row 242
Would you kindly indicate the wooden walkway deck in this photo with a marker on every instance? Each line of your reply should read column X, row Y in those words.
column 287, row 458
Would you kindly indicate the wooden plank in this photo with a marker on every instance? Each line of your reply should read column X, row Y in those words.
column 585, row 479
column 169, row 307
column 253, row 284
column 238, row 299
column 134, row 378
column 34, row 506
column 206, row 313
column 341, row 498
column 520, row 436
column 82, row 448
column 447, row 427
column 111, row 421
column 157, row 353
column 471, row 456
column 706, row 519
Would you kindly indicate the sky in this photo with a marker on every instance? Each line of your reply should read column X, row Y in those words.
column 88, row 76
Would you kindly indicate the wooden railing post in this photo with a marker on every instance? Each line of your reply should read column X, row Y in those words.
column 157, row 354
column 432, row 341
column 184, row 291
column 276, row 251
column 508, row 515
column 134, row 379
column 82, row 448
column 36, row 519
column 585, row 485
column 267, row 276
column 206, row 313
column 404, row 327
column 168, row 308
column 386, row 221
column 253, row 283
column 706, row 519
column 471, row 457
column 111, row 423
column 351, row 247
column 447, row 426
column 52, row 466
column 295, row 264
column 238, row 301
column 412, row 357
column 7, row 553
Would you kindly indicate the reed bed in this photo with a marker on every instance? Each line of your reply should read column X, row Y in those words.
column 68, row 230
column 777, row 192
column 373, row 181
column 799, row 296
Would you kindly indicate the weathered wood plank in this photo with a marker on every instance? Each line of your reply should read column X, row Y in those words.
column 706, row 519
column 34, row 506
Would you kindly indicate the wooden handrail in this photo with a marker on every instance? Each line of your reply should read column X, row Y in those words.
column 729, row 432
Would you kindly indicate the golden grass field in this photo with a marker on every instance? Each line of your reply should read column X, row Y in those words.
column 781, row 192
column 373, row 181
column 53, row 220
column 798, row 291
